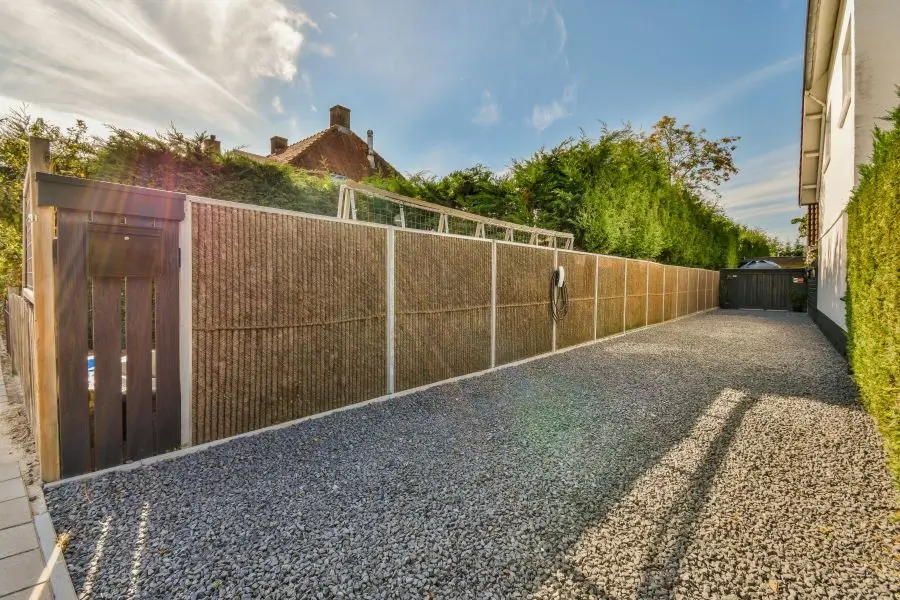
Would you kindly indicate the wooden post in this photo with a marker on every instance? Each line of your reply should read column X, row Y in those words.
column 46, row 398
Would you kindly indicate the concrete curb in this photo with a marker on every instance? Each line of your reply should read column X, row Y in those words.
column 60, row 581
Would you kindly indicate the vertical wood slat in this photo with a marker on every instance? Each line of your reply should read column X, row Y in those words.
column 168, row 390
column 138, row 370
column 107, row 371
column 72, row 343
column 106, row 295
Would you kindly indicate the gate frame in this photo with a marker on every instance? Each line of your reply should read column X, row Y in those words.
column 45, row 194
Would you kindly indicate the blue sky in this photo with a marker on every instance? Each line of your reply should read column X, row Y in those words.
column 443, row 85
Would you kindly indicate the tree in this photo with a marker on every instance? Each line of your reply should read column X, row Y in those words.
column 699, row 164
column 802, row 227
column 72, row 151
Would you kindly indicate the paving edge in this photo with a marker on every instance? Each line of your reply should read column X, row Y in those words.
column 54, row 559
column 207, row 445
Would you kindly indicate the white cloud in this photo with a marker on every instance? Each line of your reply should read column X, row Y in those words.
column 312, row 108
column 727, row 93
column 764, row 192
column 560, row 29
column 537, row 15
column 326, row 50
column 489, row 112
column 763, row 178
column 331, row 15
column 276, row 105
column 199, row 64
column 544, row 115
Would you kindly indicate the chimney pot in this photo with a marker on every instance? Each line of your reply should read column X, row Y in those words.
column 340, row 116
column 277, row 144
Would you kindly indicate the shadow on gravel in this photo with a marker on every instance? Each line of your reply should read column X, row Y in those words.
column 674, row 532
column 464, row 490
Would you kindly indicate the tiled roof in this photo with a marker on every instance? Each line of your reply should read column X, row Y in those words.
column 336, row 150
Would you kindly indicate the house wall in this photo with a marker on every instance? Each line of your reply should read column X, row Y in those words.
column 875, row 55
column 837, row 180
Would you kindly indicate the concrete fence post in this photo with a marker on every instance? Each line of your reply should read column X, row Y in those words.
column 389, row 259
column 493, row 303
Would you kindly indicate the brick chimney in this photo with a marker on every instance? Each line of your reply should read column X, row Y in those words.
column 212, row 145
column 340, row 116
column 277, row 144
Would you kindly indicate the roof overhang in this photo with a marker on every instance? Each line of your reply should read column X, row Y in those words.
column 821, row 23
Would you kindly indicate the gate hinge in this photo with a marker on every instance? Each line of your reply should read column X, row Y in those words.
column 179, row 258
column 54, row 252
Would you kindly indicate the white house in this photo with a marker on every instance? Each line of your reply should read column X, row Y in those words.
column 851, row 70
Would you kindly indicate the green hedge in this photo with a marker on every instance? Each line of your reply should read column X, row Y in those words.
column 873, row 286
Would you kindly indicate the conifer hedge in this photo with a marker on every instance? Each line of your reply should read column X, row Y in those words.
column 873, row 286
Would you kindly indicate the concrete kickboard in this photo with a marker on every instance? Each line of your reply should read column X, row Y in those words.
column 11, row 488
column 14, row 512
column 18, row 539
column 38, row 592
column 21, row 571
column 9, row 470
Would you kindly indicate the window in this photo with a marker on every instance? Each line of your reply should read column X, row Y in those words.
column 826, row 145
column 847, row 72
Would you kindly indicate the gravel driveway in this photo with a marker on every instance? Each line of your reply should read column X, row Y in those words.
column 722, row 454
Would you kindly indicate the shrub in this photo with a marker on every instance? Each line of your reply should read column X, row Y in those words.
column 873, row 287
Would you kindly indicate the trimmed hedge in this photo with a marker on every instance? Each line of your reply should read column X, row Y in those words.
column 873, row 286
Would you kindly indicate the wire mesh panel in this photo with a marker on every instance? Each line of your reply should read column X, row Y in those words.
column 495, row 232
column 373, row 209
column 524, row 325
column 636, row 284
column 289, row 317
column 366, row 203
column 416, row 218
column 656, row 298
column 611, row 304
column 578, row 324
column 443, row 307
column 461, row 226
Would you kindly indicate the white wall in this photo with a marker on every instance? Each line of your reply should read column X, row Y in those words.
column 877, row 68
column 837, row 182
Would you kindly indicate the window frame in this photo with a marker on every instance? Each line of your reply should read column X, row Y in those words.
column 846, row 73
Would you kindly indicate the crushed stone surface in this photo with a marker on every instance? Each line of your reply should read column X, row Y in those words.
column 719, row 456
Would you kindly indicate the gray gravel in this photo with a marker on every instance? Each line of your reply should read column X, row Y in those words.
column 721, row 456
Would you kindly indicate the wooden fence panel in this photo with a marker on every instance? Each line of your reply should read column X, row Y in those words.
column 656, row 298
column 20, row 336
column 289, row 317
column 443, row 307
column 611, row 306
column 524, row 324
column 671, row 287
column 578, row 325
column 636, row 286
column 691, row 290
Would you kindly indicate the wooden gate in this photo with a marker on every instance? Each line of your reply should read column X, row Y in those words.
column 765, row 289
column 116, row 262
